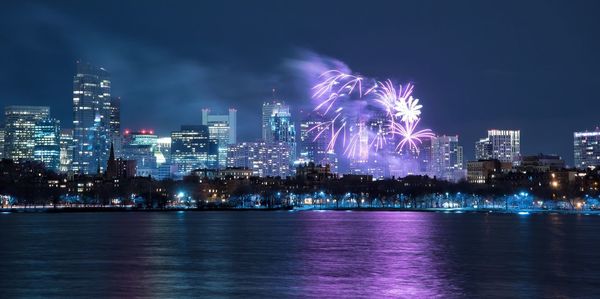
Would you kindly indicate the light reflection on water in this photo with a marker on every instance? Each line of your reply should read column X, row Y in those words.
column 303, row 254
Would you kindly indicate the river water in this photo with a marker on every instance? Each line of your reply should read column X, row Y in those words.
column 279, row 254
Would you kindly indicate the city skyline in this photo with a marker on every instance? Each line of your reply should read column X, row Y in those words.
column 461, row 71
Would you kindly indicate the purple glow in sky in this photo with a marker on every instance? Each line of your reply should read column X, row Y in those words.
column 353, row 106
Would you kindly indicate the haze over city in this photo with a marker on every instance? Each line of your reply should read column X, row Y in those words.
column 531, row 68
column 299, row 149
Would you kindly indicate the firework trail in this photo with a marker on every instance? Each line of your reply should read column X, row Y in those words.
column 347, row 107
column 410, row 137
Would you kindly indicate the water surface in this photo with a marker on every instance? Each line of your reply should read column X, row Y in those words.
column 299, row 254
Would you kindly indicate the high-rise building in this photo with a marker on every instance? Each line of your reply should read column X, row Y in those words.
column 141, row 146
column 222, row 128
column 586, row 147
column 446, row 158
column 264, row 159
column 283, row 130
column 95, row 118
column 268, row 110
column 1, row 143
column 483, row 149
column 114, row 117
column 504, row 145
column 314, row 142
column 192, row 148
column 20, row 129
column 425, row 156
column 163, row 150
column 66, row 149
column 46, row 138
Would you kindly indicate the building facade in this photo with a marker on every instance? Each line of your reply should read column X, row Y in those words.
column 19, row 131
column 47, row 143
column 66, row 149
column 314, row 142
column 542, row 163
column 447, row 158
column 192, row 148
column 269, row 109
column 222, row 128
column 586, row 148
column 264, row 159
column 141, row 146
column 504, row 145
column 95, row 119
column 483, row 171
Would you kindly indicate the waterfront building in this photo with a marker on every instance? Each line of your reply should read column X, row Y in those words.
column 504, row 145
column 586, row 148
column 542, row 163
column 222, row 128
column 165, row 171
column 192, row 148
column 481, row 171
column 314, row 172
column 264, row 159
column 95, row 118
column 19, row 130
column 234, row 173
column 46, row 139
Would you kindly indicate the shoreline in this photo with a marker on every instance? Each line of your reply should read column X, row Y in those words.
column 310, row 209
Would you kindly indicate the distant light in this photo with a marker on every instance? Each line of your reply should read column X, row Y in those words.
column 523, row 213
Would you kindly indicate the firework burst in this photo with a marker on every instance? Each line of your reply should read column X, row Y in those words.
column 410, row 137
column 347, row 107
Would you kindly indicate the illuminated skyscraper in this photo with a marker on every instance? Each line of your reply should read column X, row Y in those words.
column 20, row 130
column 192, row 148
column 66, row 149
column 1, row 142
column 114, row 117
column 446, row 158
column 222, row 128
column 586, row 147
column 141, row 146
column 281, row 127
column 47, row 143
column 270, row 109
column 95, row 118
column 163, row 150
column 264, row 159
column 313, row 146
column 504, row 145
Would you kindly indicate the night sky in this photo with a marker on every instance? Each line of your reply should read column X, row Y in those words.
column 531, row 65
